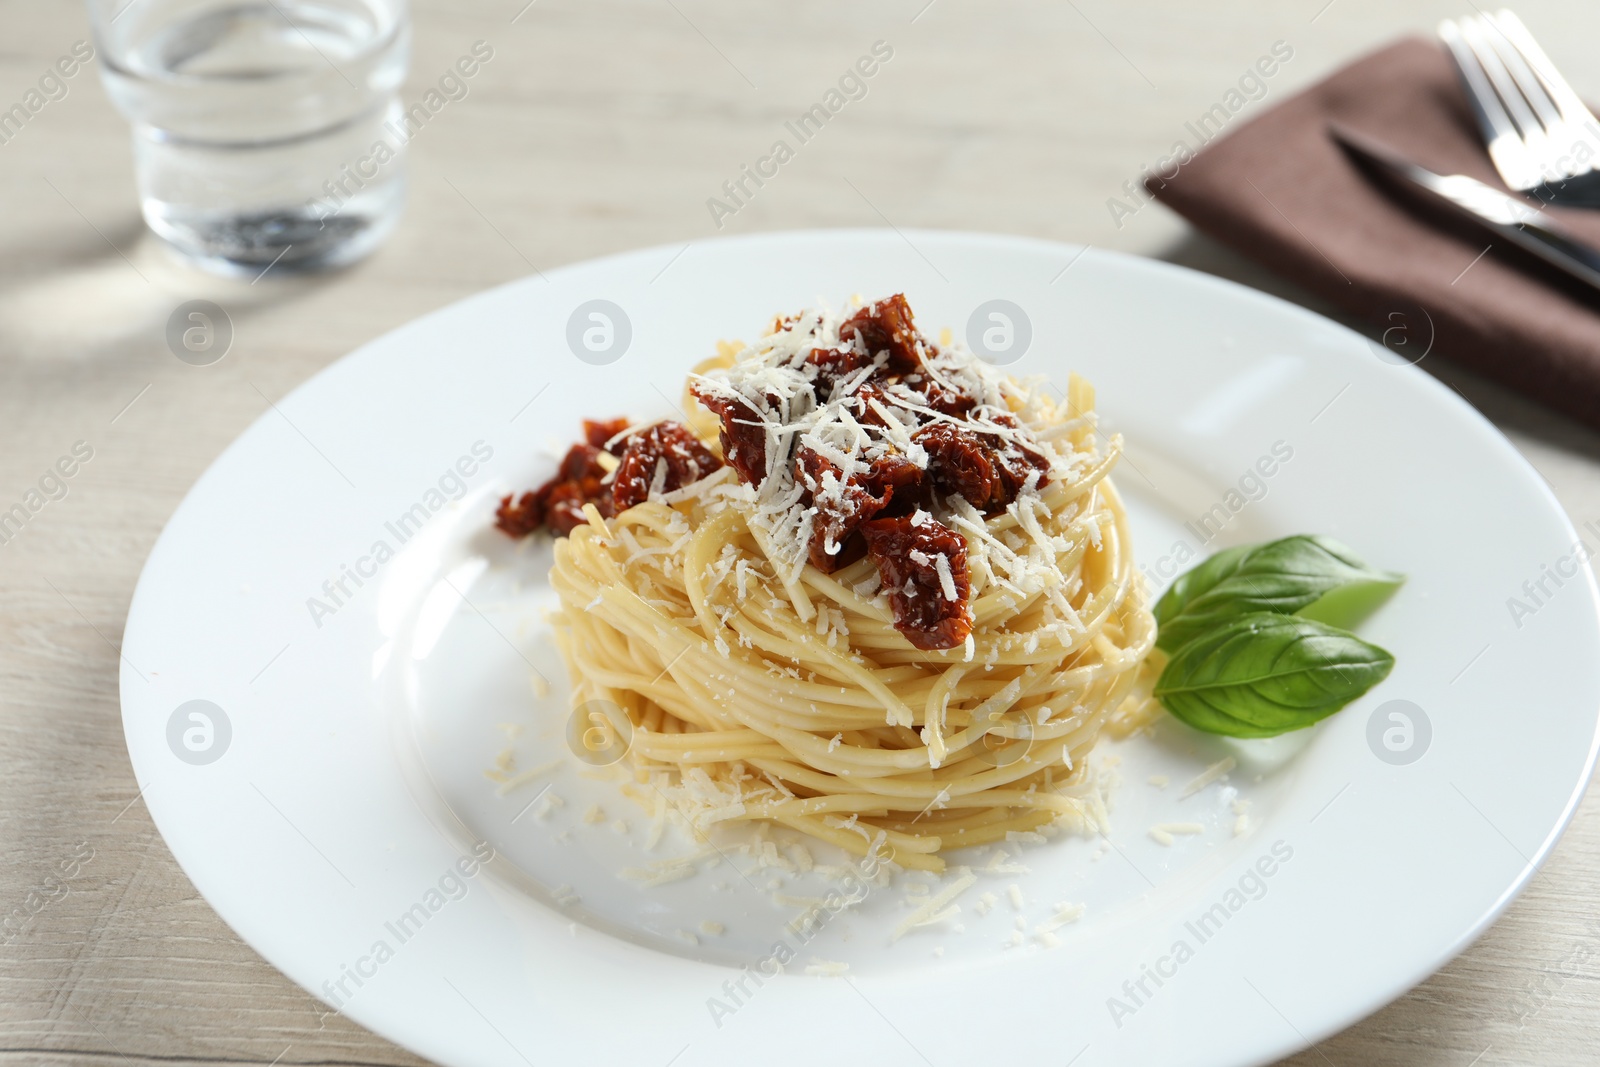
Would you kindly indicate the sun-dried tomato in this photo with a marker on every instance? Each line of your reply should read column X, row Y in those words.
column 519, row 518
column 886, row 326
column 947, row 399
column 558, row 503
column 832, row 364
column 865, row 404
column 598, row 432
column 668, row 445
column 841, row 506
column 580, row 479
column 564, row 507
column 577, row 483
column 986, row 469
column 581, row 462
column 958, row 462
column 1015, row 462
column 907, row 552
column 744, row 438
column 895, row 474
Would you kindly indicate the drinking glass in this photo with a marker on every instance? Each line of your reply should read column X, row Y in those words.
column 259, row 126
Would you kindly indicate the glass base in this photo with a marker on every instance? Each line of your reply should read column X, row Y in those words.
column 305, row 203
column 293, row 239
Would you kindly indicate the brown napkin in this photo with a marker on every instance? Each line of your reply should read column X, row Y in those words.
column 1281, row 191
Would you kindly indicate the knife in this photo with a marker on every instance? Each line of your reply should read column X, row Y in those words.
column 1514, row 219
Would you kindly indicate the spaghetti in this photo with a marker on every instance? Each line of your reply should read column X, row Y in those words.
column 782, row 657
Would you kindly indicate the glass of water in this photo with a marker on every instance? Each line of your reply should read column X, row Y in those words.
column 263, row 130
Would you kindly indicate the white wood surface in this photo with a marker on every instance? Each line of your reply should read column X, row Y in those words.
column 596, row 127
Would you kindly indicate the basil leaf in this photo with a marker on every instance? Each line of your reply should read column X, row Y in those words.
column 1312, row 576
column 1264, row 674
column 1191, row 585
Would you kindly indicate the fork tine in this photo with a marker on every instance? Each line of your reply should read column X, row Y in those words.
column 1485, row 102
column 1499, row 133
column 1478, row 39
column 1571, row 106
column 1528, row 84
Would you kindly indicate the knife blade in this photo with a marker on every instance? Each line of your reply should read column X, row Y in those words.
column 1517, row 221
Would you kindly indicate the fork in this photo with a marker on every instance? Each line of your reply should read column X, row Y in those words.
column 1541, row 137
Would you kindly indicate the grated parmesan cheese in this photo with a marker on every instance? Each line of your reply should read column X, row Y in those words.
column 947, row 583
column 1001, row 863
column 1065, row 913
column 550, row 802
column 1162, row 833
column 517, row 781
column 826, row 968
column 1211, row 774
column 772, row 379
column 937, row 907
column 661, row 872
column 800, row 856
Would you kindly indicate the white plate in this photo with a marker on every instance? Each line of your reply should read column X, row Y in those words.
column 349, row 779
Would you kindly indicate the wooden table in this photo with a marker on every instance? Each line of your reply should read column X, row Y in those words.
column 595, row 127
